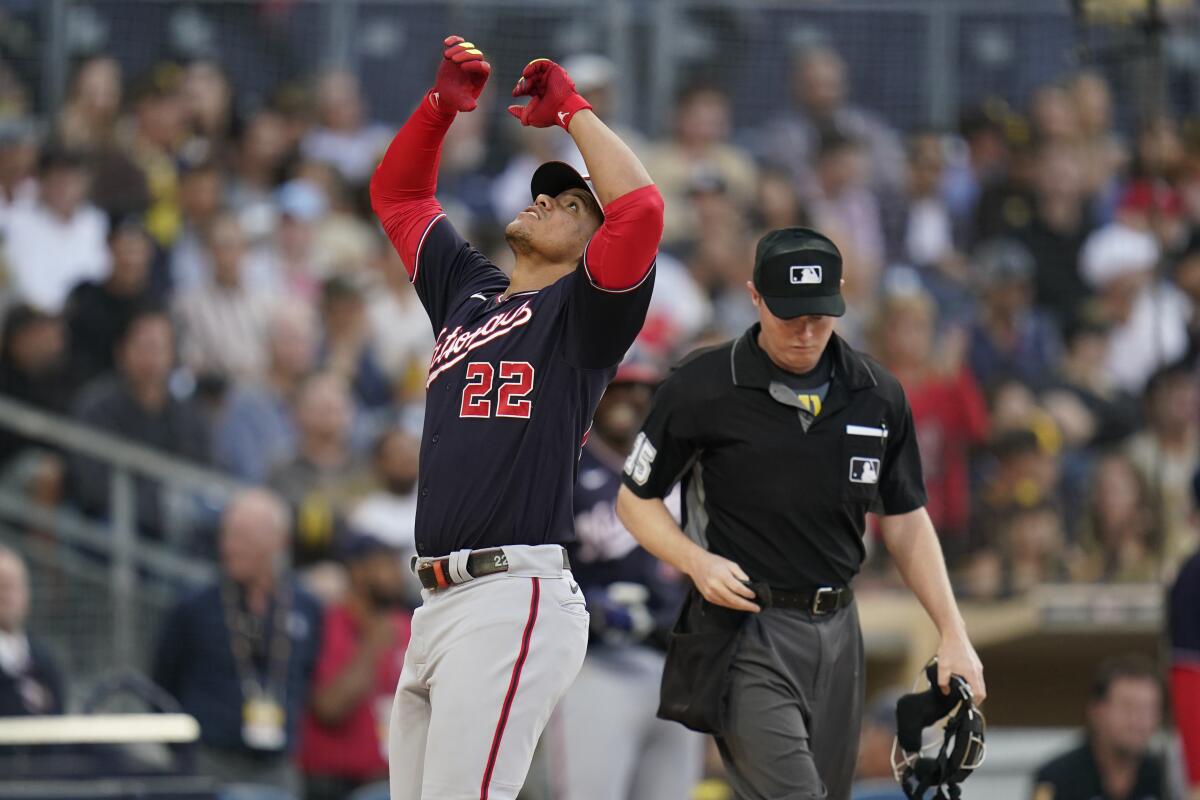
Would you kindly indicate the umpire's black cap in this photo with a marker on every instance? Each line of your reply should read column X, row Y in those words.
column 799, row 272
column 555, row 177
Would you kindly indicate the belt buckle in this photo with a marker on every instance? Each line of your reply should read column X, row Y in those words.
column 824, row 591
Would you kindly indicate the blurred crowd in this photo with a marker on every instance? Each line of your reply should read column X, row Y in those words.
column 205, row 278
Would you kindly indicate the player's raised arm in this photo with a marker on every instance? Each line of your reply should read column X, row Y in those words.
column 621, row 253
column 403, row 186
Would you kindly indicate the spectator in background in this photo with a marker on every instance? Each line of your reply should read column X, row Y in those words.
column 239, row 653
column 1149, row 317
column 1026, row 542
column 1053, row 228
column 30, row 681
column 1120, row 539
column 201, row 198
column 255, row 428
column 90, row 125
column 223, row 322
column 344, row 136
column 53, row 245
column 842, row 205
column 325, row 476
column 873, row 779
column 97, row 311
column 700, row 144
column 1167, row 454
column 820, row 102
column 981, row 162
column 1183, row 627
column 721, row 257
column 261, row 153
column 159, row 130
column 88, row 119
column 1102, row 153
column 949, row 412
column 18, row 162
column 1009, row 337
column 364, row 636
column 1018, row 472
column 1053, row 115
column 348, row 350
column 290, row 255
column 34, row 369
column 1114, row 761
column 135, row 403
column 1083, row 375
column 208, row 109
column 1151, row 200
column 400, row 330
column 1186, row 278
column 389, row 512
column 923, row 235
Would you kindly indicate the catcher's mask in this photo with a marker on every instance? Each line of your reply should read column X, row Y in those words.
column 940, row 766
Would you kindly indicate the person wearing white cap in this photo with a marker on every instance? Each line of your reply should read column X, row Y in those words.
column 1150, row 317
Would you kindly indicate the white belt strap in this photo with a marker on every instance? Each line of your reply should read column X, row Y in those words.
column 457, row 567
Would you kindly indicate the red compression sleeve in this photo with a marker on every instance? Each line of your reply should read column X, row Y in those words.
column 1185, row 699
column 403, row 186
column 621, row 253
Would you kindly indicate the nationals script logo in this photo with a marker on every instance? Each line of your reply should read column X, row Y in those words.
column 453, row 346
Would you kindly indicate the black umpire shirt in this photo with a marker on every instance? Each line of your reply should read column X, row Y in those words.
column 782, row 494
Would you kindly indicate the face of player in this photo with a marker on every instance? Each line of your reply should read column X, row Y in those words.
column 793, row 344
column 1126, row 720
column 555, row 228
column 621, row 412
column 381, row 579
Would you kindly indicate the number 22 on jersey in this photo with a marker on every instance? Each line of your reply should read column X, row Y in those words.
column 516, row 381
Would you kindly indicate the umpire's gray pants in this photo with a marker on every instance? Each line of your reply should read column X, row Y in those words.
column 795, row 706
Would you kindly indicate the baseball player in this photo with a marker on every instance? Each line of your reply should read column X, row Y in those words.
column 518, row 368
column 619, row 749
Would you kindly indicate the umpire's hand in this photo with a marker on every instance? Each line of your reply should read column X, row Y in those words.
column 956, row 656
column 721, row 582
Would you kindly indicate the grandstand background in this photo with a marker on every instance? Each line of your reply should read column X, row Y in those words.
column 219, row 72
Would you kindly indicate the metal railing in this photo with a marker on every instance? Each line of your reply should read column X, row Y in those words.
column 136, row 580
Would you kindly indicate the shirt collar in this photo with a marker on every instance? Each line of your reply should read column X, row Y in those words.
column 750, row 366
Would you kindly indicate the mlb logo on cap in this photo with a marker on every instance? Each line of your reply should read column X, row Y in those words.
column 806, row 274
column 864, row 470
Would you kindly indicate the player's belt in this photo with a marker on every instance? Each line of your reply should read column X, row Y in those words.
column 819, row 601
column 465, row 565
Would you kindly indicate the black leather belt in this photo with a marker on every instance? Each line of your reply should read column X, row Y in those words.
column 440, row 573
column 819, row 601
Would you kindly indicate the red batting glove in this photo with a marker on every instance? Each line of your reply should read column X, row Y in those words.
column 460, row 78
column 554, row 99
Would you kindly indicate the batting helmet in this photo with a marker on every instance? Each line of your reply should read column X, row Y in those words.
column 941, row 765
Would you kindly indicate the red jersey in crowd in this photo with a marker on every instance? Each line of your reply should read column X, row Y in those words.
column 950, row 416
column 356, row 747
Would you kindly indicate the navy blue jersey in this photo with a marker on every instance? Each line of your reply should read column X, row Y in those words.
column 512, row 387
column 604, row 551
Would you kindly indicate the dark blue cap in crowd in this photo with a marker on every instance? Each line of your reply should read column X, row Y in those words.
column 358, row 546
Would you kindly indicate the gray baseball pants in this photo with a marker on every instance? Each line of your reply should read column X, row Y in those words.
column 795, row 706
column 612, row 745
column 486, row 663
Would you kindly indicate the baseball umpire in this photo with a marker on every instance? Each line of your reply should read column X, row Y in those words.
column 518, row 369
column 784, row 439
